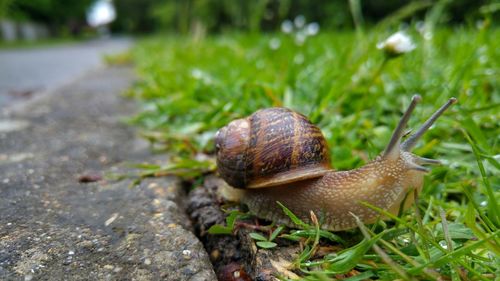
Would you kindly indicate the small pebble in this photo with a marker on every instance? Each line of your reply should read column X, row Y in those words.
column 109, row 267
column 89, row 177
column 86, row 244
column 186, row 254
column 12, row 125
column 111, row 219
column 152, row 185
column 215, row 255
column 147, row 261
column 103, row 159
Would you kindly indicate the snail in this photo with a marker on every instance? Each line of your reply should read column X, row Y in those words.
column 278, row 155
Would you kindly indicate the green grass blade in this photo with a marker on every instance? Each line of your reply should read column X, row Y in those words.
column 494, row 210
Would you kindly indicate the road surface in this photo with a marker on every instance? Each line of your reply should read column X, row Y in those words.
column 63, row 217
column 29, row 72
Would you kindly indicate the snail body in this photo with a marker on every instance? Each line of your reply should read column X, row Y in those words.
column 277, row 155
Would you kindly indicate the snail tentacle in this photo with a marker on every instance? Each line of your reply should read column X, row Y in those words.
column 392, row 150
column 416, row 167
column 427, row 161
column 409, row 143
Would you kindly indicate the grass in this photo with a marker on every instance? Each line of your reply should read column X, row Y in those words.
column 191, row 87
column 49, row 42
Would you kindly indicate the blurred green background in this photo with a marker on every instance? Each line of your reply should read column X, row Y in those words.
column 68, row 18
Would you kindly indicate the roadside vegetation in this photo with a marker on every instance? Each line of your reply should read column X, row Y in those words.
column 355, row 92
column 37, row 44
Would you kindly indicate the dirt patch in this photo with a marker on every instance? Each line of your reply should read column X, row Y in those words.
column 235, row 257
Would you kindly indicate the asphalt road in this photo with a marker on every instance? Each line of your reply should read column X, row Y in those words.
column 25, row 73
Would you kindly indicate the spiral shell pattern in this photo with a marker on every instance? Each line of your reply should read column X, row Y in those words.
column 271, row 147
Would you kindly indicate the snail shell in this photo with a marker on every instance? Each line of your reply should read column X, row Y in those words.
column 273, row 146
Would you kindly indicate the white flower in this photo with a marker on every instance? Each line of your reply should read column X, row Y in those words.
column 397, row 44
column 298, row 59
column 199, row 74
column 299, row 29
column 300, row 38
column 420, row 26
column 299, row 21
column 312, row 29
column 196, row 73
column 274, row 43
column 287, row 26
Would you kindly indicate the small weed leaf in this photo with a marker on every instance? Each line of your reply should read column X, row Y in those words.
column 263, row 242
column 219, row 229
column 293, row 217
column 291, row 237
column 276, row 232
column 266, row 244
column 309, row 233
column 349, row 258
column 230, row 221
column 231, row 218
column 145, row 166
column 257, row 236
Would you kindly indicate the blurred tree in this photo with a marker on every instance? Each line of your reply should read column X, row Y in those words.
column 219, row 15
column 62, row 17
column 137, row 15
column 184, row 16
column 4, row 7
column 455, row 10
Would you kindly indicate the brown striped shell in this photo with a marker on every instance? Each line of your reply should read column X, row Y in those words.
column 271, row 147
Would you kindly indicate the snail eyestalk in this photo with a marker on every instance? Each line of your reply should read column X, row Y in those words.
column 416, row 167
column 409, row 143
column 426, row 161
column 392, row 150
